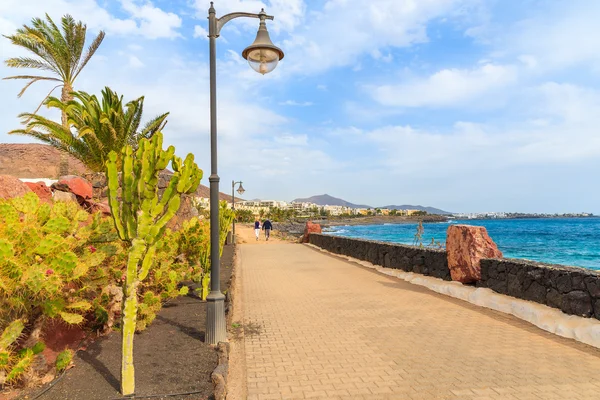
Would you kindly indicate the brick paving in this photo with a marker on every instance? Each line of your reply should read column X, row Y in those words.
column 320, row 327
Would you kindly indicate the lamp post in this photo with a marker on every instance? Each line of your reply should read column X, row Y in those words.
column 263, row 56
column 240, row 191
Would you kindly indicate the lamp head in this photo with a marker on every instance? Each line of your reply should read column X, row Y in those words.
column 262, row 55
column 241, row 189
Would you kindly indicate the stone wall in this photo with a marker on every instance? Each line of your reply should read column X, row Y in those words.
column 429, row 262
column 573, row 290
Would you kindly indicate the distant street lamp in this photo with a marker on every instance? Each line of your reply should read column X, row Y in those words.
column 241, row 192
column 263, row 56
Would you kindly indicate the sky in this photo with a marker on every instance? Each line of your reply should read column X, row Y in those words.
column 463, row 105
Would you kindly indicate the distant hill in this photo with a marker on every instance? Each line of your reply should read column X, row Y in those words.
column 430, row 210
column 34, row 160
column 327, row 200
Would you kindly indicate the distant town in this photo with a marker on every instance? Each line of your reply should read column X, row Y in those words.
column 309, row 209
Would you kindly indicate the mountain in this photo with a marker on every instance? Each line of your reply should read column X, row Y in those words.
column 327, row 200
column 34, row 160
column 430, row 210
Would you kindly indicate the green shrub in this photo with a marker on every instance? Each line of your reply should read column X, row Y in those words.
column 63, row 359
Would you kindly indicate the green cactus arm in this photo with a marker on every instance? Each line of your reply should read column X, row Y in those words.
column 167, row 195
column 11, row 333
column 128, row 191
column 171, row 210
column 147, row 262
column 165, row 158
column 21, row 367
column 113, row 187
column 145, row 219
column 176, row 164
column 185, row 174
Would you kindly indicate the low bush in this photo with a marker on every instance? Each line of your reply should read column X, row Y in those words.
column 59, row 262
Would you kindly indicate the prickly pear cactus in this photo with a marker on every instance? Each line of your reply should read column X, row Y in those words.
column 51, row 267
column 140, row 218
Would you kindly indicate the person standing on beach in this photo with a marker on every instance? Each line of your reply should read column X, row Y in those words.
column 267, row 226
column 257, row 228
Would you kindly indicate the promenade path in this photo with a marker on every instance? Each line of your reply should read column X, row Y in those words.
column 317, row 326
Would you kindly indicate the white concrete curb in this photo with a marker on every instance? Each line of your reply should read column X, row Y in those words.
column 585, row 330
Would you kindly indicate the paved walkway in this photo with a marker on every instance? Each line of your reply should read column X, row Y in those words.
column 320, row 327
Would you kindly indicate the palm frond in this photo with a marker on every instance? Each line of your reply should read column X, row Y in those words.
column 156, row 124
column 41, row 78
column 27, row 62
column 90, row 52
column 57, row 49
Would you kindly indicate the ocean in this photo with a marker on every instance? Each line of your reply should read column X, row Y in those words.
column 566, row 241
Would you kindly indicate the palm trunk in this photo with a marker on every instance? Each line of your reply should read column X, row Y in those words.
column 66, row 96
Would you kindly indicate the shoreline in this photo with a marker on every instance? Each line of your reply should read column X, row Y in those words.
column 382, row 219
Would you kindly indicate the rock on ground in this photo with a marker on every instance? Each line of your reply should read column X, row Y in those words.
column 308, row 229
column 12, row 187
column 42, row 191
column 466, row 246
column 74, row 184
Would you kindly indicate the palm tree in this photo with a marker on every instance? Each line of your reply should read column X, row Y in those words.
column 57, row 52
column 99, row 127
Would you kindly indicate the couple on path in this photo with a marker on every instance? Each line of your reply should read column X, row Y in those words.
column 267, row 226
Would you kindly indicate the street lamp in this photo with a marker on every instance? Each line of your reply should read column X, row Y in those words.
column 240, row 191
column 263, row 56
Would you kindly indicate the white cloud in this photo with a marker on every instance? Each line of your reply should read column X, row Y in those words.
column 145, row 20
column 447, row 88
column 288, row 13
column 135, row 62
column 341, row 33
column 562, row 131
column 153, row 22
column 561, row 35
column 296, row 103
column 200, row 31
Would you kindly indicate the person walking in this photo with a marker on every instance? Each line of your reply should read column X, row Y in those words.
column 257, row 228
column 267, row 226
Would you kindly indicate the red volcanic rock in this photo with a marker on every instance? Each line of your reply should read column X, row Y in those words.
column 12, row 187
column 42, row 191
column 74, row 184
column 466, row 245
column 308, row 229
column 63, row 196
column 93, row 207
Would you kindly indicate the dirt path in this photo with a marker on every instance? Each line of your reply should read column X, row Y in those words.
column 245, row 235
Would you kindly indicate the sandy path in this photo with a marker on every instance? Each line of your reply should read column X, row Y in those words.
column 245, row 235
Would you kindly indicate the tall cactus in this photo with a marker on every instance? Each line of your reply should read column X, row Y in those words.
column 140, row 218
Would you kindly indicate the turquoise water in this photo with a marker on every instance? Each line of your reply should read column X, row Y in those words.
column 567, row 241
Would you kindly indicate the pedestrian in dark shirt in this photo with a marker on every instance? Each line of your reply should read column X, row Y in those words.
column 267, row 226
column 257, row 228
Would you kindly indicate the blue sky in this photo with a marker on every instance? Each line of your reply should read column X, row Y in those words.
column 465, row 105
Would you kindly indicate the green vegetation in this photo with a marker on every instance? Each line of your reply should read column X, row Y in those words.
column 63, row 359
column 94, row 127
column 55, row 51
column 140, row 218
column 418, row 240
column 242, row 215
column 57, row 262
